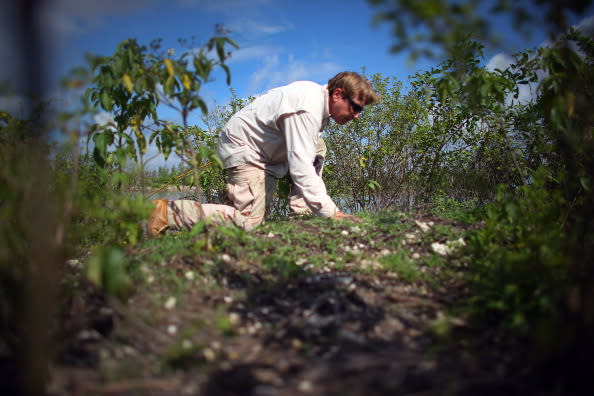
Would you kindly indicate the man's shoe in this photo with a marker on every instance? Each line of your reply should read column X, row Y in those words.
column 157, row 223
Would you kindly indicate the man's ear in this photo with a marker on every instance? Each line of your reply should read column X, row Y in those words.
column 337, row 94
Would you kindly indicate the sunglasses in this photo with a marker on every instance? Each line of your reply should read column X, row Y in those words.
column 356, row 107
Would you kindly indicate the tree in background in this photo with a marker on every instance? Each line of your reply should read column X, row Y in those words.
column 417, row 148
column 371, row 161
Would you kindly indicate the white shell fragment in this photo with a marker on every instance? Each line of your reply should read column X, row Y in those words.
column 422, row 225
column 447, row 248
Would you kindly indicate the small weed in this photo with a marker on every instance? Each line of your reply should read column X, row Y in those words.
column 184, row 354
column 224, row 323
column 434, row 260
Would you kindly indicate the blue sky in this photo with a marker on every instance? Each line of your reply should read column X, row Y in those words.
column 280, row 40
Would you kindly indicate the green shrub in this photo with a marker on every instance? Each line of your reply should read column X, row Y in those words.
column 468, row 211
column 528, row 275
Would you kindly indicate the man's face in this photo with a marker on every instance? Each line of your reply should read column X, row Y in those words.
column 343, row 108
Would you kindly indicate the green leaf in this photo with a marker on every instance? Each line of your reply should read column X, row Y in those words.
column 166, row 146
column 227, row 72
column 140, row 86
column 169, row 66
column 106, row 269
column 94, row 271
column 220, row 49
column 154, row 135
column 101, row 141
column 128, row 82
column 198, row 102
column 105, row 100
column 373, row 185
column 140, row 141
column 169, row 85
column 232, row 43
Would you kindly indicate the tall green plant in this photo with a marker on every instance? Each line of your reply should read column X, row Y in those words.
column 132, row 85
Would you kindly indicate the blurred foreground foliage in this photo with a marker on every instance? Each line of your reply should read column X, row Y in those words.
column 532, row 273
column 460, row 142
column 60, row 199
column 534, row 258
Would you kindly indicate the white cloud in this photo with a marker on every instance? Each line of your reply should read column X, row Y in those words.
column 275, row 73
column 500, row 61
column 526, row 93
column 105, row 119
column 68, row 16
column 252, row 28
column 271, row 62
column 252, row 53
column 586, row 26
column 62, row 18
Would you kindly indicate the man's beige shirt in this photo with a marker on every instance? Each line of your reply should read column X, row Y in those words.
column 279, row 131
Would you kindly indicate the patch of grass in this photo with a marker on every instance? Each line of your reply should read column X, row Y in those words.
column 155, row 251
column 282, row 268
column 400, row 263
column 440, row 233
column 469, row 211
column 434, row 260
column 388, row 217
column 218, row 273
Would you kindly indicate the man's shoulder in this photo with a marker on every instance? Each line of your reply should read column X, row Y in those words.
column 297, row 96
column 301, row 88
column 304, row 84
column 305, row 89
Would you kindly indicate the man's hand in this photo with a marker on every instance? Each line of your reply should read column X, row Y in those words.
column 343, row 216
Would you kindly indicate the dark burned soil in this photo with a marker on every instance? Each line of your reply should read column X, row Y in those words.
column 302, row 308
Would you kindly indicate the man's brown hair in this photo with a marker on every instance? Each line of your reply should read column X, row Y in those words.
column 354, row 86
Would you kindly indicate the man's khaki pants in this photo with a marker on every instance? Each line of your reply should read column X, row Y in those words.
column 249, row 188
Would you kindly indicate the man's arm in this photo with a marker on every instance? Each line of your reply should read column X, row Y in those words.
column 301, row 134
